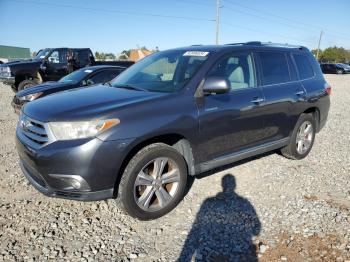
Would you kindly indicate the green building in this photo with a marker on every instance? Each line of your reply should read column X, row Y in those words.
column 8, row 53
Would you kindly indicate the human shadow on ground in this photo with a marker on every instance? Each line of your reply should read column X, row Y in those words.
column 223, row 228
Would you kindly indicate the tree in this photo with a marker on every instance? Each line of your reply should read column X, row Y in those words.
column 335, row 54
column 110, row 56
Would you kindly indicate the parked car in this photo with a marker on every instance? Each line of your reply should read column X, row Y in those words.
column 50, row 64
column 174, row 114
column 335, row 68
column 84, row 77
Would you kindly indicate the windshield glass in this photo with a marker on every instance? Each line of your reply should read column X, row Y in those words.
column 76, row 76
column 42, row 53
column 166, row 71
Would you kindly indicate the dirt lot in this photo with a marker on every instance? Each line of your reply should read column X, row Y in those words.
column 271, row 209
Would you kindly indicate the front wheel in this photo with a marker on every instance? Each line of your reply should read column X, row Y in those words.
column 302, row 139
column 26, row 83
column 153, row 182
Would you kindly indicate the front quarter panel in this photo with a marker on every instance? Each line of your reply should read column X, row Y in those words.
column 170, row 114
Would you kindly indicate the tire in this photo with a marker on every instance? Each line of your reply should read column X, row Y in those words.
column 293, row 149
column 134, row 194
column 340, row 72
column 26, row 83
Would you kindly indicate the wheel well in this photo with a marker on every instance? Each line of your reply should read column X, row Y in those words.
column 178, row 142
column 28, row 76
column 316, row 113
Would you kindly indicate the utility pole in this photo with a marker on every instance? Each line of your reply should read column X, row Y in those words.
column 217, row 21
column 319, row 43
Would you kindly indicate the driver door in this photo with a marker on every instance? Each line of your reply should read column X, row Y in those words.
column 56, row 65
column 231, row 122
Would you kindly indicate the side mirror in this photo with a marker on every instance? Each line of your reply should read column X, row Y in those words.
column 216, row 85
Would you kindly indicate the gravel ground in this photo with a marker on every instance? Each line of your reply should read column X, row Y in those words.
column 270, row 209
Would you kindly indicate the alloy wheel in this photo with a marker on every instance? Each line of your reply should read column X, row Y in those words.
column 156, row 184
column 304, row 137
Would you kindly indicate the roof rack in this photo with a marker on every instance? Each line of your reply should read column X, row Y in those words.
column 286, row 45
column 282, row 45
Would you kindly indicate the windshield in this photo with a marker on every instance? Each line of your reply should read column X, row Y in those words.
column 76, row 76
column 166, row 71
column 42, row 54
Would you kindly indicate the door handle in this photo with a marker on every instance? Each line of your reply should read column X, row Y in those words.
column 257, row 100
column 299, row 93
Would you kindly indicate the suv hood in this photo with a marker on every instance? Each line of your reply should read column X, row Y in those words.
column 48, row 86
column 22, row 62
column 85, row 104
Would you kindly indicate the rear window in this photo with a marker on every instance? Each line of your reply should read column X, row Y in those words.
column 274, row 68
column 304, row 66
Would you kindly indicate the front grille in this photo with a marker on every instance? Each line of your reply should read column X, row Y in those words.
column 33, row 131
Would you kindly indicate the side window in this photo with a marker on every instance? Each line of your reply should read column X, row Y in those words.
column 304, row 66
column 83, row 57
column 274, row 68
column 237, row 68
column 58, row 56
column 101, row 77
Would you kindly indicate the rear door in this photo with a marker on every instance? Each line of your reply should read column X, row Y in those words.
column 230, row 122
column 83, row 57
column 282, row 91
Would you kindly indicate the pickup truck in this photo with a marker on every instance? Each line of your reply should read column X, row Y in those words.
column 49, row 64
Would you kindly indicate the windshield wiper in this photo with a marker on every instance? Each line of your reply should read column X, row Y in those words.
column 108, row 83
column 130, row 87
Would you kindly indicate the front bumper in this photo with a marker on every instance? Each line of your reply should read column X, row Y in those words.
column 38, row 182
column 7, row 80
column 17, row 104
column 95, row 162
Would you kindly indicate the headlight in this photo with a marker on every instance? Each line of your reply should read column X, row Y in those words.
column 81, row 129
column 5, row 71
column 30, row 97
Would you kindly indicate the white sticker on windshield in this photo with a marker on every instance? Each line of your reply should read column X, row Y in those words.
column 88, row 71
column 195, row 53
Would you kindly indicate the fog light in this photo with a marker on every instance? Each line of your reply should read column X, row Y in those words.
column 75, row 183
column 69, row 182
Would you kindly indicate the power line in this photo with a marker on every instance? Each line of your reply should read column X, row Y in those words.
column 298, row 23
column 195, row 3
column 115, row 11
column 269, row 14
column 262, row 32
column 266, row 19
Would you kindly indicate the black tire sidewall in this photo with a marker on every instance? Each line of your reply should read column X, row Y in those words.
column 24, row 84
column 137, row 163
column 303, row 118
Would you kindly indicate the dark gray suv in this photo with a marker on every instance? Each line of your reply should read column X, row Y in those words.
column 174, row 114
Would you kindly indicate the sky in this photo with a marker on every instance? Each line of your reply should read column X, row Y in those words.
column 116, row 25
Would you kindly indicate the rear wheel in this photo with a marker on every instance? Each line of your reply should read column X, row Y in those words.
column 340, row 72
column 302, row 138
column 153, row 182
column 26, row 83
